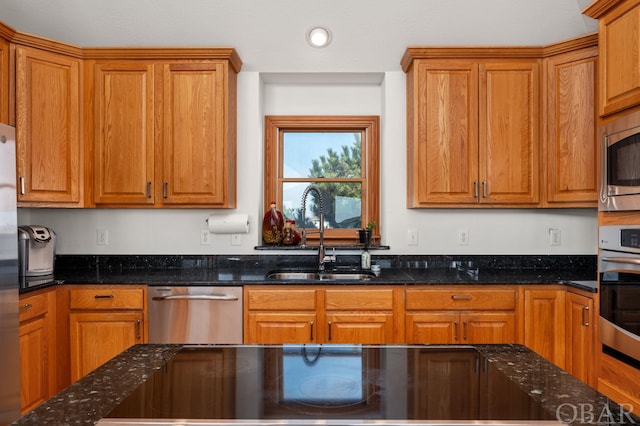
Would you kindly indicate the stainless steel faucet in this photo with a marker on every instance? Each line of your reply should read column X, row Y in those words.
column 323, row 258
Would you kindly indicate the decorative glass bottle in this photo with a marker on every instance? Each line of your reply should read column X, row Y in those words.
column 272, row 226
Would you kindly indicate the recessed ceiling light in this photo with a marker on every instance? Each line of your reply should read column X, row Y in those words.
column 319, row 36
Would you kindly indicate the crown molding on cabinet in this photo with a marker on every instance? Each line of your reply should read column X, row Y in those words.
column 502, row 52
column 144, row 53
column 599, row 7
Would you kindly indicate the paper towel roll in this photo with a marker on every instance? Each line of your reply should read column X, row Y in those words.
column 228, row 223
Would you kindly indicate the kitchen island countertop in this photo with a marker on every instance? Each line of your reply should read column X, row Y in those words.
column 96, row 395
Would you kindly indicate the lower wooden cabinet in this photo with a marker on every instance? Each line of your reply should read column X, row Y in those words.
column 461, row 315
column 544, row 322
column 37, row 348
column 580, row 336
column 285, row 314
column 280, row 315
column 104, row 321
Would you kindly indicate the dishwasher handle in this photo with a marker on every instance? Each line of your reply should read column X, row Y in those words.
column 224, row 297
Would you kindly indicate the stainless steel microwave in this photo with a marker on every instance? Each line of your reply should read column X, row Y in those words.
column 620, row 164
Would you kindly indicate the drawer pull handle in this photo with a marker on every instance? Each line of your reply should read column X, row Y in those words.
column 475, row 189
column 311, row 327
column 165, row 189
column 21, row 185
column 455, row 326
column 138, row 330
column 464, row 330
column 329, row 330
column 103, row 296
column 585, row 316
column 148, row 189
column 27, row 306
column 461, row 297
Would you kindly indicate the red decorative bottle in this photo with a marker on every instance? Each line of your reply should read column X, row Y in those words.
column 272, row 226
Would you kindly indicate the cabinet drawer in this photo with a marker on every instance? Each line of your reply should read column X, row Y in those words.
column 275, row 300
column 369, row 300
column 33, row 306
column 461, row 299
column 106, row 298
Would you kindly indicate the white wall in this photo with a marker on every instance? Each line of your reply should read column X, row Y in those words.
column 177, row 231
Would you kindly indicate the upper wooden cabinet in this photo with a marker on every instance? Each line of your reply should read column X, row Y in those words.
column 164, row 133
column 124, row 133
column 472, row 129
column 570, row 144
column 48, row 126
column 619, row 37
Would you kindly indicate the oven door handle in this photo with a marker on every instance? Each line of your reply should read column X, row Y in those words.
column 627, row 260
column 225, row 297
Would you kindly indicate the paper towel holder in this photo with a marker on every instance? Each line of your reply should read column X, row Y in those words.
column 235, row 223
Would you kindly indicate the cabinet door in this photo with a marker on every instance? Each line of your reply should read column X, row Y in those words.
column 571, row 143
column 197, row 155
column 96, row 337
column 281, row 327
column 34, row 364
column 433, row 327
column 544, row 323
column 580, row 337
column 360, row 327
column 619, row 37
column 4, row 81
column 508, row 135
column 47, row 127
column 124, row 133
column 442, row 162
column 488, row 327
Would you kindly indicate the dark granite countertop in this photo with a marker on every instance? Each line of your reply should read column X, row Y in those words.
column 94, row 396
column 576, row 271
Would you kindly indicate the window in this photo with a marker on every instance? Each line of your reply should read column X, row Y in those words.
column 339, row 155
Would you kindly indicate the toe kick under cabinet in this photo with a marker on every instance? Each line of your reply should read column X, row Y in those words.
column 104, row 321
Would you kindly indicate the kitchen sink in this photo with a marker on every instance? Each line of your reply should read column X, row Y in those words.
column 320, row 275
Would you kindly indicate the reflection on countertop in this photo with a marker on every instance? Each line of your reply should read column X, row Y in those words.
column 495, row 382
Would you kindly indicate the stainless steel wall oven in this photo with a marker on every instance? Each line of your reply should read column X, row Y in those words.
column 619, row 258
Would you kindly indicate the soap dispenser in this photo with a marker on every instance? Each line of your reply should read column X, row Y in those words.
column 365, row 259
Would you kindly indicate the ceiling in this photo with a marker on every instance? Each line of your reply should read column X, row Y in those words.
column 269, row 35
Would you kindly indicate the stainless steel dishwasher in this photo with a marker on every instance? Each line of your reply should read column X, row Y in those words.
column 195, row 314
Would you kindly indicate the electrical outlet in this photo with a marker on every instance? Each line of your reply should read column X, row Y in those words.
column 412, row 237
column 236, row 239
column 102, row 237
column 205, row 237
column 463, row 237
column 555, row 237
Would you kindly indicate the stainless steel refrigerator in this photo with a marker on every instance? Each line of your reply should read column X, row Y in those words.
column 9, row 340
